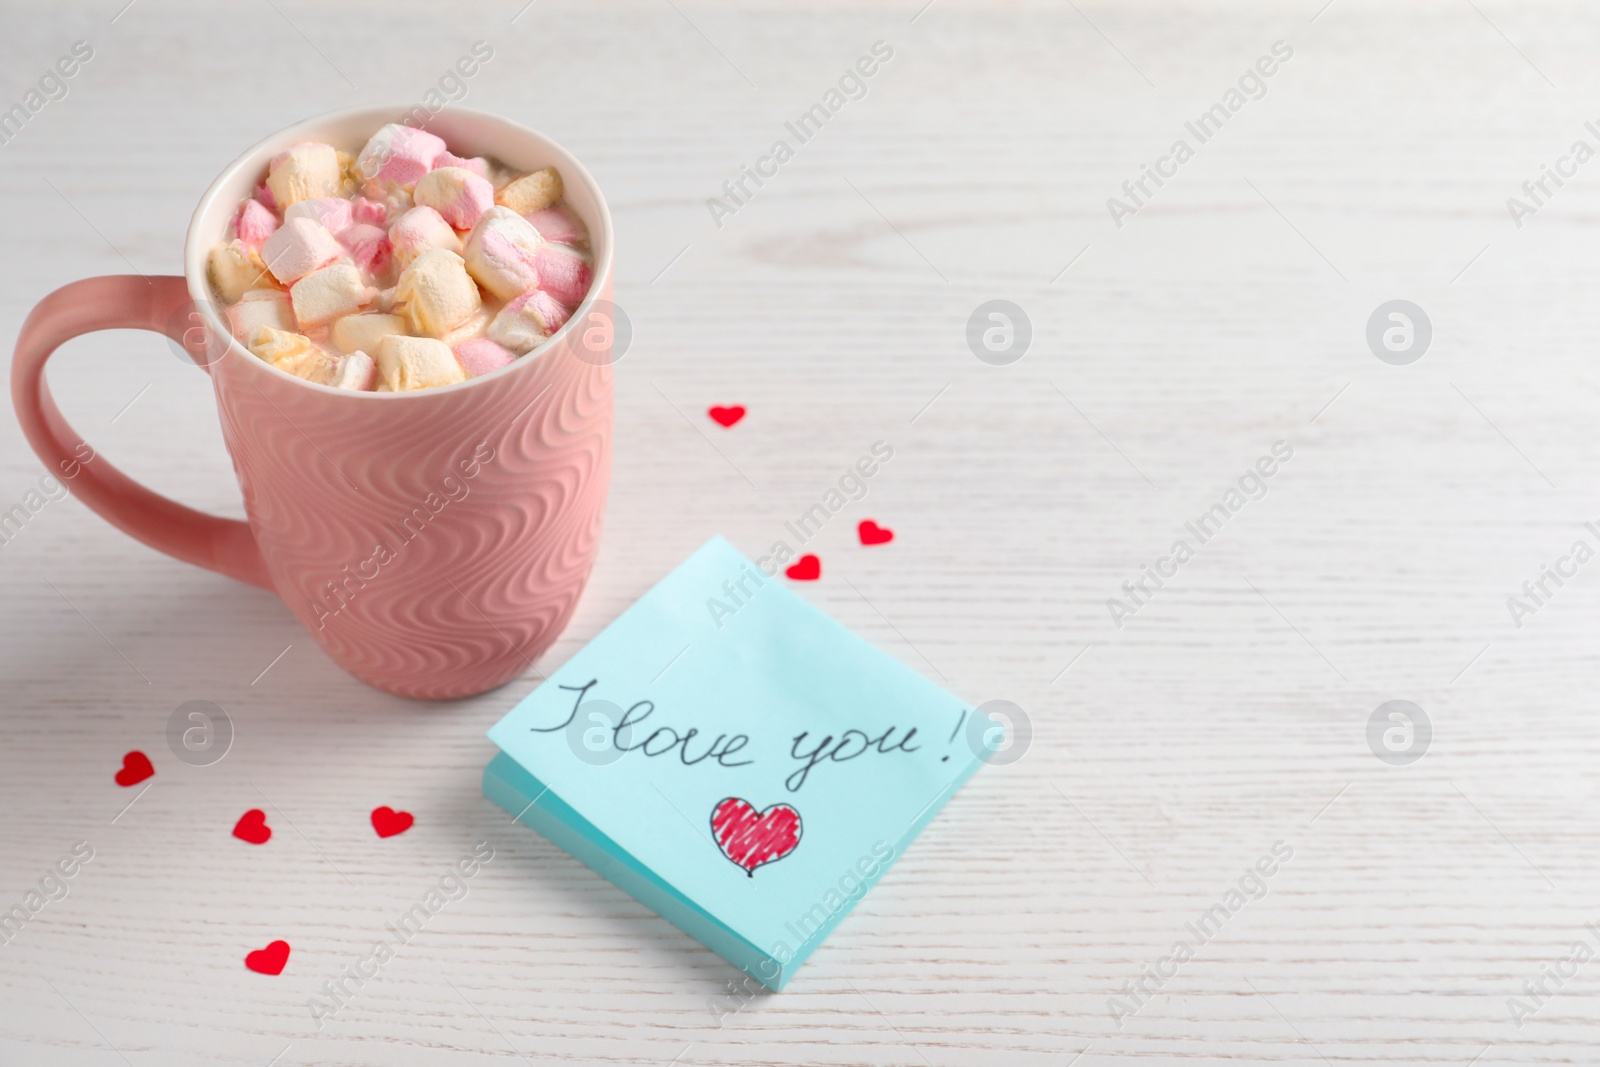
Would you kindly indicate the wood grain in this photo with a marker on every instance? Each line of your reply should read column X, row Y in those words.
column 1228, row 714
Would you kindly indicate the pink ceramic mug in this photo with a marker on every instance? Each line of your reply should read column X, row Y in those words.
column 434, row 543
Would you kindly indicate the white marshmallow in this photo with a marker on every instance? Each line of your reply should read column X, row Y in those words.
column 305, row 172
column 258, row 308
column 477, row 325
column 363, row 332
column 294, row 353
column 407, row 363
column 234, row 270
column 357, row 371
column 436, row 293
column 326, row 294
column 531, row 192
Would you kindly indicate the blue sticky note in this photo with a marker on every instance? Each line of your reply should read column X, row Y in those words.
column 735, row 760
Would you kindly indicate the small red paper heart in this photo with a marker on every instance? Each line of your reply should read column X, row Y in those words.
column 873, row 534
column 252, row 827
column 807, row 568
column 136, row 768
column 750, row 839
column 726, row 417
column 389, row 822
column 269, row 960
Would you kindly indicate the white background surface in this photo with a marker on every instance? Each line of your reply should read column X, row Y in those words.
column 1228, row 714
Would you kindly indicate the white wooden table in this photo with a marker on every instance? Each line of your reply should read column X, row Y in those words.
column 1169, row 754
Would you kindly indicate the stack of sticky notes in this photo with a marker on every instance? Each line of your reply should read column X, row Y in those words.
column 735, row 760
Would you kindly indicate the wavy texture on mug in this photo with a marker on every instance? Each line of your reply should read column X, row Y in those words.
column 473, row 589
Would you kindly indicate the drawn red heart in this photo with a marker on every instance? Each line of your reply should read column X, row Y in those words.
column 807, row 568
column 726, row 417
column 750, row 839
column 269, row 960
column 136, row 768
column 252, row 827
column 389, row 822
column 873, row 534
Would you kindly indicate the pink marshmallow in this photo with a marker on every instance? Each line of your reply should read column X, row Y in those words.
column 477, row 165
column 299, row 247
column 563, row 274
column 558, row 225
column 457, row 194
column 254, row 224
column 368, row 246
column 418, row 230
column 264, row 195
column 371, row 212
column 524, row 323
column 502, row 253
column 546, row 310
column 400, row 154
column 481, row 355
column 332, row 211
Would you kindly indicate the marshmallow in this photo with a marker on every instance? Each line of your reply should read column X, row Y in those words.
column 406, row 363
column 368, row 246
column 399, row 154
column 404, row 268
column 254, row 224
column 349, row 177
column 476, row 325
column 332, row 211
column 299, row 247
column 294, row 353
column 364, row 332
column 418, row 230
column 563, row 274
column 396, row 199
column 324, row 295
column 436, row 293
column 477, row 165
column 502, row 253
column 558, row 226
column 460, row 196
column 531, row 192
column 371, row 212
column 480, row 356
column 357, row 371
column 304, row 172
column 258, row 308
column 234, row 270
column 528, row 320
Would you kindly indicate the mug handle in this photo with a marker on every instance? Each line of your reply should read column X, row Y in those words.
column 121, row 302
